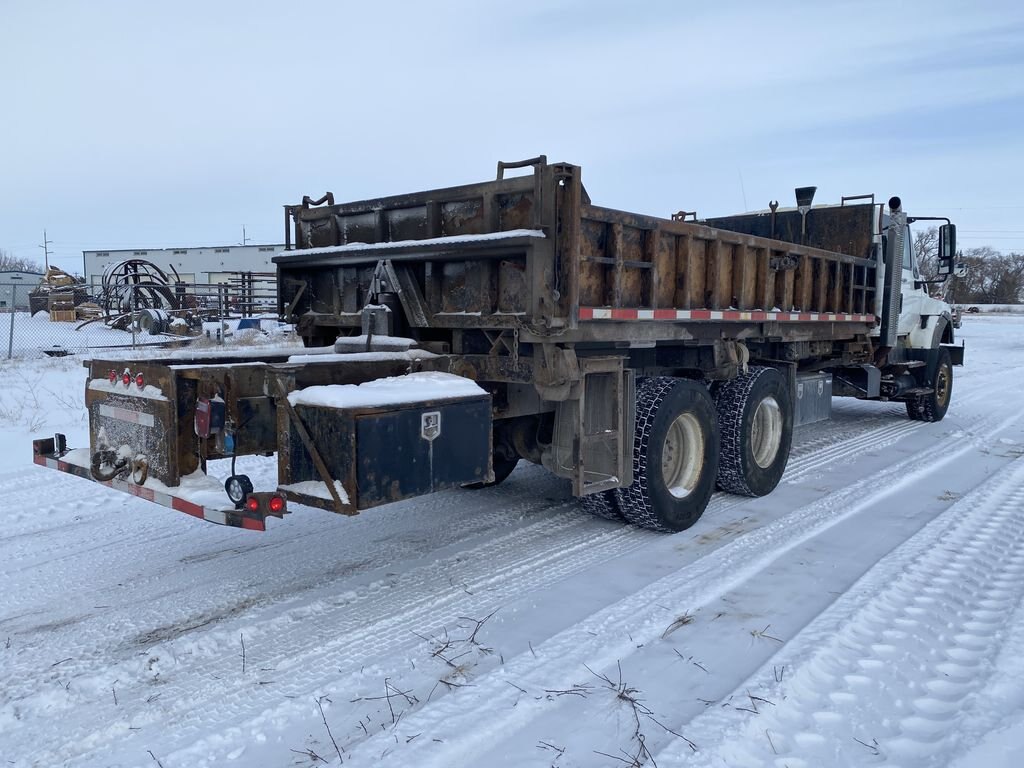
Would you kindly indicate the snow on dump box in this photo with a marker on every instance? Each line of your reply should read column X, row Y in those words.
column 333, row 249
column 394, row 390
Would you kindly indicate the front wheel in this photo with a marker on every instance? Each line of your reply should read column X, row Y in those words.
column 933, row 406
column 675, row 455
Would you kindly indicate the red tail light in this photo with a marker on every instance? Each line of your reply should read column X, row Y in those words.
column 252, row 504
column 126, row 377
column 139, row 381
column 112, row 376
column 276, row 503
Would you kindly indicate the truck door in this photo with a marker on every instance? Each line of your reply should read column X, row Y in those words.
column 914, row 298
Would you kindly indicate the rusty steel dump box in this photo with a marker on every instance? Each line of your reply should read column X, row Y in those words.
column 533, row 253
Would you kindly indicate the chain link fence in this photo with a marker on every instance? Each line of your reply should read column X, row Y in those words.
column 65, row 321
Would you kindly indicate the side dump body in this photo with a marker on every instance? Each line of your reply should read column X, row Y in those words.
column 533, row 252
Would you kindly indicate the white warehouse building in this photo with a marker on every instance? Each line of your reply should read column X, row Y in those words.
column 194, row 265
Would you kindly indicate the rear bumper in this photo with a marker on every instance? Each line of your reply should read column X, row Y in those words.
column 45, row 454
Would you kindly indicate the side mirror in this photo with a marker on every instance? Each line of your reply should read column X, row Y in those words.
column 947, row 249
column 960, row 270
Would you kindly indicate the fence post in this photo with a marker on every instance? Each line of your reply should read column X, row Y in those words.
column 14, row 305
column 133, row 309
column 220, row 317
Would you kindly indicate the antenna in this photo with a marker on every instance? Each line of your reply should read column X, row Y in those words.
column 743, row 190
column 244, row 238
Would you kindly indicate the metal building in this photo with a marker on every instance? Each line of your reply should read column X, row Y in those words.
column 201, row 265
column 15, row 287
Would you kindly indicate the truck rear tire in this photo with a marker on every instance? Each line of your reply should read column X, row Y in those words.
column 755, row 420
column 933, row 406
column 675, row 455
column 603, row 504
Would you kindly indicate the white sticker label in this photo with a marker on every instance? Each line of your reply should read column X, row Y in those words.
column 123, row 414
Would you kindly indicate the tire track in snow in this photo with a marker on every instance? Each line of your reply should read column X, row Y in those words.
column 165, row 547
column 150, row 538
column 492, row 709
column 553, row 547
column 363, row 629
column 883, row 435
column 912, row 648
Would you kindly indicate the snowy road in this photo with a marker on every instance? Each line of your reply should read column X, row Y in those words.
column 868, row 612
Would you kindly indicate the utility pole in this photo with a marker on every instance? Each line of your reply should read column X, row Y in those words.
column 46, row 250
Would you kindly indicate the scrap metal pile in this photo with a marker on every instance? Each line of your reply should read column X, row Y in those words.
column 57, row 290
column 137, row 292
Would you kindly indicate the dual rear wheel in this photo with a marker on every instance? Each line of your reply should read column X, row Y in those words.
column 687, row 442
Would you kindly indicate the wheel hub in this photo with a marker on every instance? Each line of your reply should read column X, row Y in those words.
column 682, row 455
column 766, row 432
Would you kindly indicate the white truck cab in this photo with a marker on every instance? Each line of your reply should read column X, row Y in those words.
column 921, row 316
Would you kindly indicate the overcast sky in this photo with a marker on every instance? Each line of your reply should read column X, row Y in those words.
column 128, row 124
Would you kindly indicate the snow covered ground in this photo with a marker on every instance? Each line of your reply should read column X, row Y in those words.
column 867, row 613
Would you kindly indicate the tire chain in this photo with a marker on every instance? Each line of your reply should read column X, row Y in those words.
column 634, row 501
column 729, row 401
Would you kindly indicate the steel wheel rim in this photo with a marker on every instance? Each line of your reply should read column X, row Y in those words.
column 682, row 456
column 766, row 432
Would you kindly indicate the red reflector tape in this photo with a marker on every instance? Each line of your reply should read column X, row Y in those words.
column 217, row 516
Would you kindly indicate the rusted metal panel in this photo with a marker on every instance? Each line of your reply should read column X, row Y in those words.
column 589, row 256
column 765, row 280
column 843, row 229
column 661, row 254
column 695, row 272
column 593, row 283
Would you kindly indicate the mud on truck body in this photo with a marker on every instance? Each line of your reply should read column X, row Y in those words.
column 455, row 332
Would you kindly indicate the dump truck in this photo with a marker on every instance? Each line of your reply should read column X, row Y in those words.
column 452, row 333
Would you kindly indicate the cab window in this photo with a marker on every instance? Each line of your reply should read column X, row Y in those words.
column 908, row 252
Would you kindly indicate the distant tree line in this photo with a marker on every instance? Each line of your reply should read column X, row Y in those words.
column 992, row 277
column 9, row 263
